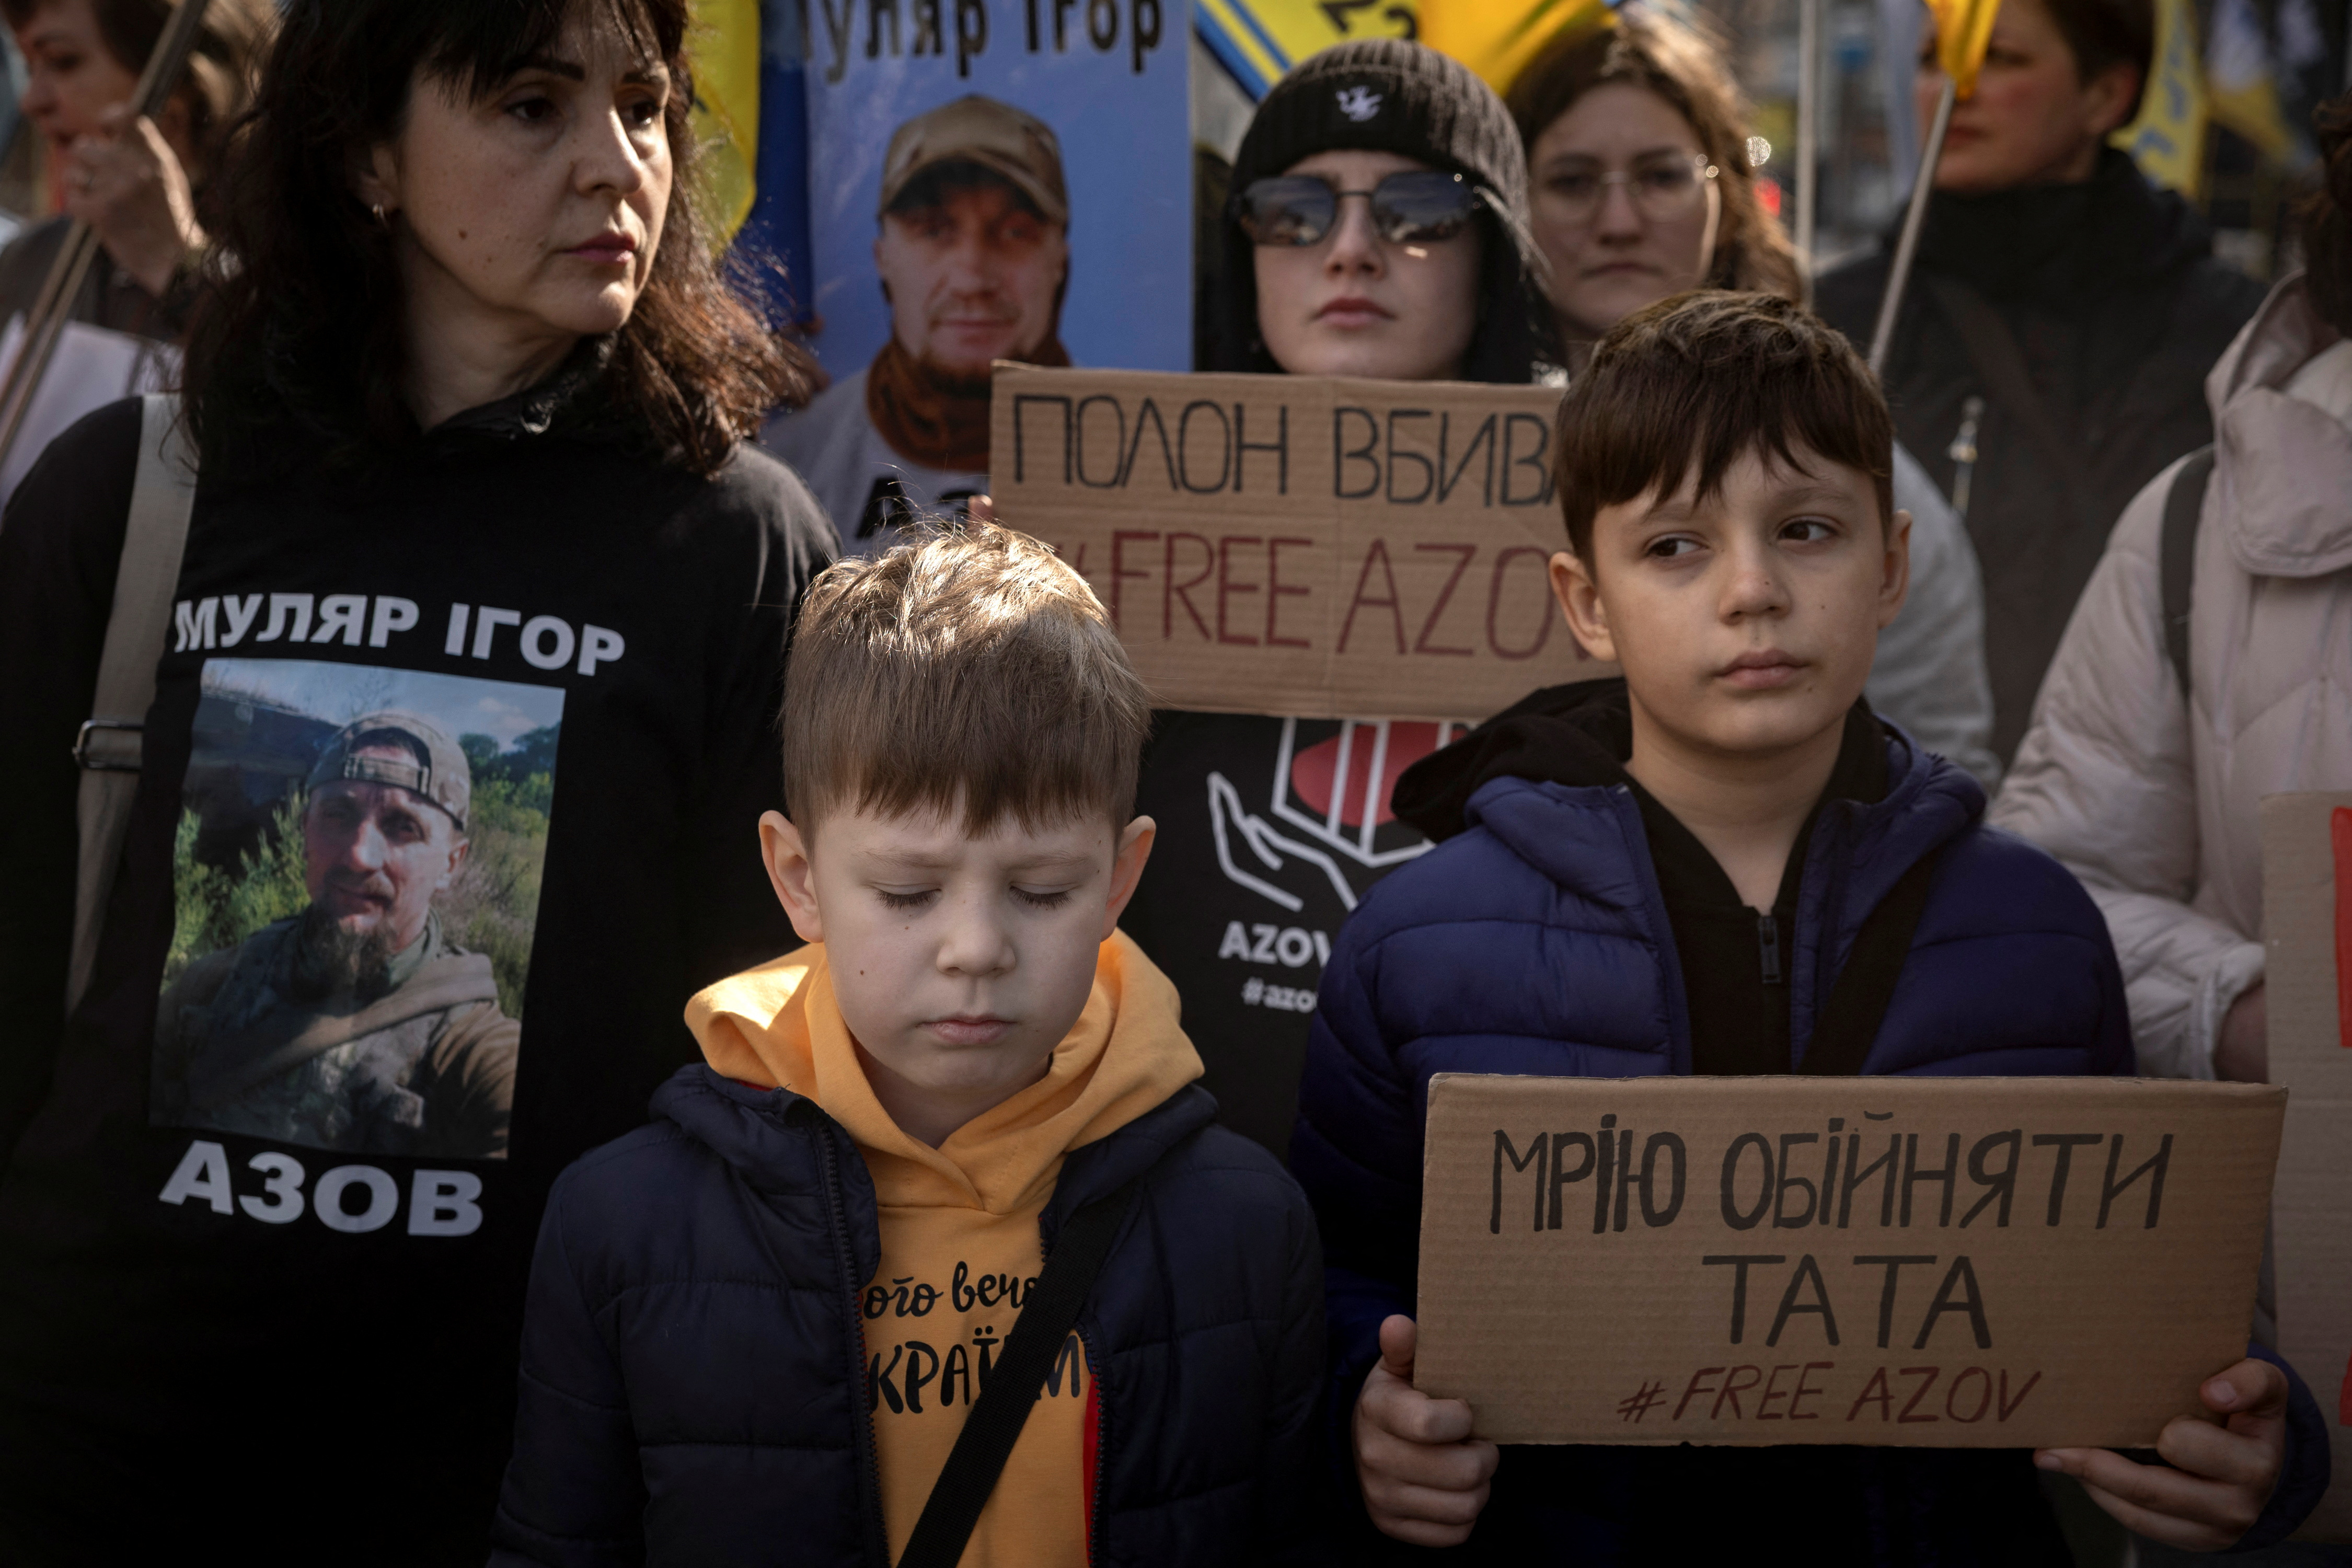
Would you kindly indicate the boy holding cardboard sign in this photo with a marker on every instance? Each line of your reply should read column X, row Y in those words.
column 1723, row 864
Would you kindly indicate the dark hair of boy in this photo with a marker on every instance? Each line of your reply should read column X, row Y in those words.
column 970, row 670
column 1687, row 387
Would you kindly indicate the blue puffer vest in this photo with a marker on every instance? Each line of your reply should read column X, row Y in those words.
column 1537, row 942
column 694, row 1384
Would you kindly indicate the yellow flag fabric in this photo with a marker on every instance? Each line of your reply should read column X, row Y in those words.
column 1496, row 39
column 2168, row 139
column 723, row 48
column 2241, row 80
column 1963, row 28
column 1258, row 40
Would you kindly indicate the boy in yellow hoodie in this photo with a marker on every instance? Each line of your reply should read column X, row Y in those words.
column 757, row 1330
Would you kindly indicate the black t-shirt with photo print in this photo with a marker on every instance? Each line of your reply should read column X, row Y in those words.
column 448, row 805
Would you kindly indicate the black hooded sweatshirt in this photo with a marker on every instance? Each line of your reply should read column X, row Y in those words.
column 2086, row 317
column 302, row 1348
column 1735, row 958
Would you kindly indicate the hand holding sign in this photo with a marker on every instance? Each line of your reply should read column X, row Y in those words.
column 1424, row 1477
column 2222, row 1473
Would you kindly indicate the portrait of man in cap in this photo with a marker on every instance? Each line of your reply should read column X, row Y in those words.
column 356, row 1024
column 973, row 258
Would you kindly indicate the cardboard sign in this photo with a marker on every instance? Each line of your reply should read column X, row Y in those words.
column 1301, row 545
column 2307, row 919
column 1898, row 1261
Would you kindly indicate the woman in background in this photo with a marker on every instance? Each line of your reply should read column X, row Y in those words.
column 139, row 182
column 1640, row 188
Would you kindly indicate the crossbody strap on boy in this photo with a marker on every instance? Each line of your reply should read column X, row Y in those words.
column 1015, row 1382
column 1848, row 1024
column 109, row 747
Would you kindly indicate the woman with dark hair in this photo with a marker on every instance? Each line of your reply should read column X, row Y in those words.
column 406, row 913
column 1377, row 227
column 1426, row 120
column 139, row 182
column 1691, row 218
column 2149, row 750
column 2059, row 326
column 1641, row 189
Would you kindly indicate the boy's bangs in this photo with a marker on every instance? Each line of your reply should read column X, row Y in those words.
column 1679, row 392
column 478, row 45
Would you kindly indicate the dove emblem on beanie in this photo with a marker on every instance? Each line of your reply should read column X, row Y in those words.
column 1359, row 103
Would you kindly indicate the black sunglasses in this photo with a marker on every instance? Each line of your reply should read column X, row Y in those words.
column 1419, row 205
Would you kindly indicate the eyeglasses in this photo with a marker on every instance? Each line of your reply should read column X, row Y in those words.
column 1417, row 206
column 1662, row 188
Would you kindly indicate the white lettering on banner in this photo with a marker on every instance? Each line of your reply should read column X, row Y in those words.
column 339, row 615
column 280, row 606
column 391, row 615
column 535, row 652
column 281, row 1184
column 203, row 1173
column 241, row 612
column 193, row 623
column 598, row 646
column 1292, row 946
column 487, row 625
column 440, row 1203
column 545, row 642
column 1281, row 998
column 384, row 1198
column 443, row 1202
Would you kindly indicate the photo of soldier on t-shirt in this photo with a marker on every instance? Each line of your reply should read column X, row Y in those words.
column 354, row 901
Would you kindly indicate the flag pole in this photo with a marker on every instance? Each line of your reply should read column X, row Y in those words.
column 1809, row 134
column 1906, row 248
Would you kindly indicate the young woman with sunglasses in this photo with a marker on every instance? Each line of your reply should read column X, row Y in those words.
column 1377, row 227
column 1640, row 188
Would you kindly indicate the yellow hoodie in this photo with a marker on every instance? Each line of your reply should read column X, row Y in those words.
column 959, row 1240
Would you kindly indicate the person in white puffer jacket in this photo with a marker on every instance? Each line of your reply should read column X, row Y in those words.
column 2151, row 799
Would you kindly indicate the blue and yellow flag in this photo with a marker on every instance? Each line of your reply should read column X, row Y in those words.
column 724, row 49
column 2242, row 81
column 1963, row 29
column 1258, row 40
column 1496, row 39
column 2168, row 139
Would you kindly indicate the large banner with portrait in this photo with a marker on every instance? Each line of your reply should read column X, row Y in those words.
column 356, row 881
column 989, row 179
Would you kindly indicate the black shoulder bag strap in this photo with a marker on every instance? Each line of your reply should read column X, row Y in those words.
column 1015, row 1382
column 1848, row 1024
column 2175, row 561
column 1992, row 349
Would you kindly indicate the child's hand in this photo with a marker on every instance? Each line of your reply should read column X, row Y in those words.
column 2221, row 1472
column 1424, row 1477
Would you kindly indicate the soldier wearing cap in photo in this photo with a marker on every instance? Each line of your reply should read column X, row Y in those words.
column 973, row 258
column 356, row 1024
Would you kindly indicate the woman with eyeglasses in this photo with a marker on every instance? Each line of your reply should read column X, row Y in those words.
column 1377, row 227
column 1640, row 188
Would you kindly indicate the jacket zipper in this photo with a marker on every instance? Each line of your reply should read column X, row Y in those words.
column 829, row 1163
column 1768, row 943
column 1102, row 1445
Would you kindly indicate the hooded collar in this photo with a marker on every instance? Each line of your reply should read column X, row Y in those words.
column 2051, row 244
column 779, row 1026
column 2283, row 465
column 537, row 408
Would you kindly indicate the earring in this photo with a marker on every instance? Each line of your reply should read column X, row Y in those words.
column 381, row 222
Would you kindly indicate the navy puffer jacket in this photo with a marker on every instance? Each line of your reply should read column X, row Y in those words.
column 693, row 1383
column 1537, row 942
